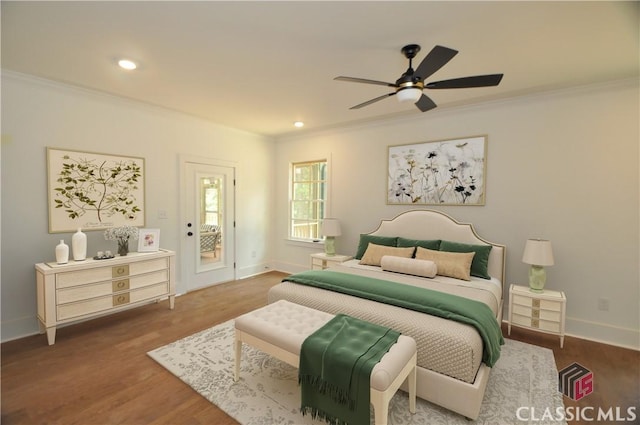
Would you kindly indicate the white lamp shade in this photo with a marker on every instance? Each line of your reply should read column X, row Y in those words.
column 538, row 252
column 409, row 95
column 331, row 227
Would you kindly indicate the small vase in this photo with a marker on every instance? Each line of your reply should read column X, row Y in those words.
column 79, row 245
column 62, row 252
column 123, row 246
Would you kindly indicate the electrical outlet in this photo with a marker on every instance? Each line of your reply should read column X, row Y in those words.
column 603, row 304
column 162, row 214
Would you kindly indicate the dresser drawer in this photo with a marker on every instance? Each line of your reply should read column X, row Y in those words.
column 148, row 279
column 537, row 303
column 107, row 302
column 535, row 323
column 536, row 313
column 82, row 277
column 148, row 266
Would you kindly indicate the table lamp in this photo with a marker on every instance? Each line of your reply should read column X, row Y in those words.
column 330, row 229
column 537, row 253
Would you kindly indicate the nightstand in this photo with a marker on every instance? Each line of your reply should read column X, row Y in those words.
column 320, row 260
column 540, row 311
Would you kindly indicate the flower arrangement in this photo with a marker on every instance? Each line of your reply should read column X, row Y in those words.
column 118, row 233
column 122, row 235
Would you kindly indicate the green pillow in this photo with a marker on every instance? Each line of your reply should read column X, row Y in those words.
column 378, row 240
column 480, row 263
column 424, row 243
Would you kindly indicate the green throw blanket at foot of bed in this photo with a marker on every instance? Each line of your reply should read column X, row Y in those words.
column 335, row 369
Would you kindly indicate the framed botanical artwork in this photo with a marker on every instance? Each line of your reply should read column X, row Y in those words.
column 444, row 172
column 94, row 191
column 148, row 240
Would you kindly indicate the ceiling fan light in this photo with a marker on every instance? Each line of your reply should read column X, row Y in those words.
column 410, row 94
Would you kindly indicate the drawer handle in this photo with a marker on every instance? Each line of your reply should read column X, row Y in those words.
column 535, row 323
column 536, row 313
column 120, row 285
column 120, row 299
column 118, row 271
column 536, row 303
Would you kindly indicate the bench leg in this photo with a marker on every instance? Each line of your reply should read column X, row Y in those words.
column 412, row 390
column 238, row 355
column 381, row 409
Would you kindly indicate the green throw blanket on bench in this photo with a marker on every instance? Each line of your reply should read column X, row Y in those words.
column 335, row 369
column 435, row 303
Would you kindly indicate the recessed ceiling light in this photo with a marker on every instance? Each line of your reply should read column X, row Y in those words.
column 127, row 64
column 298, row 124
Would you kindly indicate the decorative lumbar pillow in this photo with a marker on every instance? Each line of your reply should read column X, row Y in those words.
column 480, row 264
column 424, row 268
column 378, row 240
column 374, row 253
column 425, row 243
column 452, row 264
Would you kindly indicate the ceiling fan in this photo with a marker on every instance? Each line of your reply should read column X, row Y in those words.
column 408, row 88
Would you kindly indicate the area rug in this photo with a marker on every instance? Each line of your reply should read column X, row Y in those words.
column 525, row 377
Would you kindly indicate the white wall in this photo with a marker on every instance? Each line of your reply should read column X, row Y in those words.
column 561, row 166
column 38, row 113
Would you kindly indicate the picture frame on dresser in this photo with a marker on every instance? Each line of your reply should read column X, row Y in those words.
column 442, row 172
column 148, row 240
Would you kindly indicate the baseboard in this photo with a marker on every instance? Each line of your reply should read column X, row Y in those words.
column 603, row 333
column 289, row 267
column 253, row 270
column 20, row 328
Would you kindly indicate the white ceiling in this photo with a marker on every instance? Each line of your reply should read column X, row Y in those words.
column 260, row 66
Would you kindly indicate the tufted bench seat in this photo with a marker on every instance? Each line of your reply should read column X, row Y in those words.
column 279, row 329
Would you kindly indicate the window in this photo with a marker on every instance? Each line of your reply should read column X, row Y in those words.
column 308, row 198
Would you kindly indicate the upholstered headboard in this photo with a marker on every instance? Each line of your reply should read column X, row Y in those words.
column 431, row 224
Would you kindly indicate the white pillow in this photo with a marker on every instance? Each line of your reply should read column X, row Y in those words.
column 424, row 268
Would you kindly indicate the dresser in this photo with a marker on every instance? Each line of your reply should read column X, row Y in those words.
column 540, row 311
column 80, row 290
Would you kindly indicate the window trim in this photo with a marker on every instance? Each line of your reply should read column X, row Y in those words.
column 319, row 242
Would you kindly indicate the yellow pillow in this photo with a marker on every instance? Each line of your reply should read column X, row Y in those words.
column 452, row 264
column 374, row 253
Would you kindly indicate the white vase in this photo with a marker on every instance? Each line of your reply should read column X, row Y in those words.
column 79, row 245
column 62, row 252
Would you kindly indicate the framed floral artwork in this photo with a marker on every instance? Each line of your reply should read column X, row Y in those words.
column 94, row 191
column 444, row 172
column 148, row 240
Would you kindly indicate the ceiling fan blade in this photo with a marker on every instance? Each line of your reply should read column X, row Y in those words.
column 425, row 103
column 436, row 59
column 369, row 102
column 466, row 82
column 364, row 80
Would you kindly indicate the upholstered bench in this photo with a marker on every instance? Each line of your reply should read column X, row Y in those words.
column 279, row 329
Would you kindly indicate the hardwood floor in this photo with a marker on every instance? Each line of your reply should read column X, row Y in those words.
column 98, row 371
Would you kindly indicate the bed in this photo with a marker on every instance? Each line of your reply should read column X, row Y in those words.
column 451, row 371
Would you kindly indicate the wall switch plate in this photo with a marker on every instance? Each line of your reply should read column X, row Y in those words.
column 162, row 214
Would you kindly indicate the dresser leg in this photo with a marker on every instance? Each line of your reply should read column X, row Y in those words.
column 562, row 341
column 51, row 335
column 172, row 301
